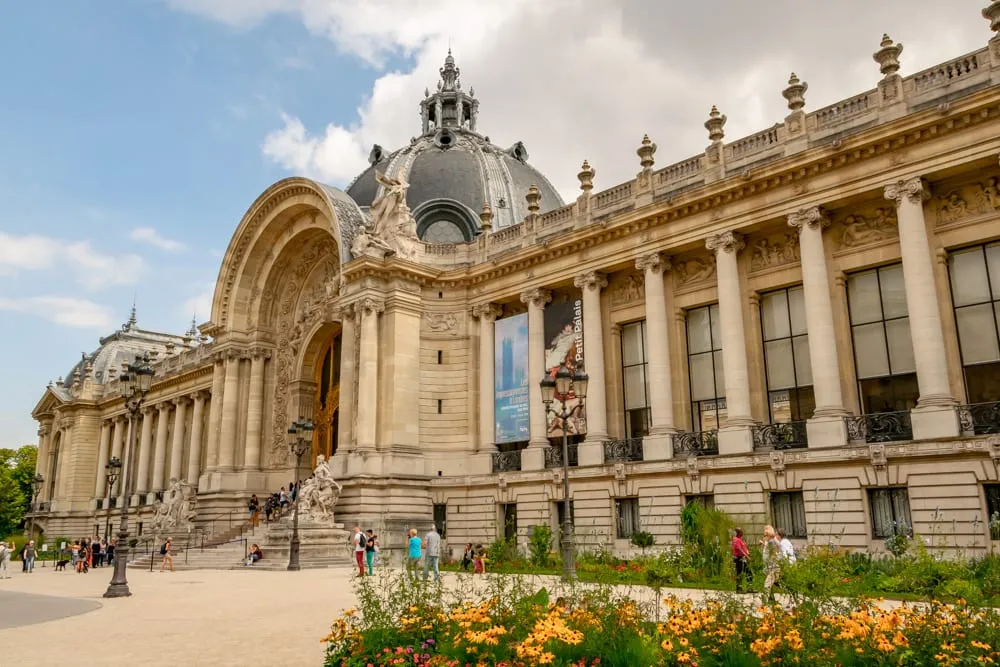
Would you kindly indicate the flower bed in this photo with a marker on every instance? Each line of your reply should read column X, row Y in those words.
column 409, row 624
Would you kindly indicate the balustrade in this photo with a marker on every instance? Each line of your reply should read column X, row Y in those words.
column 880, row 427
column 786, row 435
column 507, row 461
column 700, row 443
column 554, row 456
column 623, row 451
column 980, row 418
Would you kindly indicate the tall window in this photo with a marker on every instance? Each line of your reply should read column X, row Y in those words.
column 706, row 500
column 975, row 290
column 786, row 355
column 880, row 331
column 561, row 513
column 441, row 519
column 992, row 492
column 708, row 388
column 627, row 515
column 509, row 516
column 890, row 512
column 635, row 380
column 788, row 513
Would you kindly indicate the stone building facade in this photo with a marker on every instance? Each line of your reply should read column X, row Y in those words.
column 801, row 326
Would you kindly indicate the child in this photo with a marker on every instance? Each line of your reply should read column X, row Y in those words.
column 479, row 560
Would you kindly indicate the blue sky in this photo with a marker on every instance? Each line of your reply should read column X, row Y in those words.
column 134, row 134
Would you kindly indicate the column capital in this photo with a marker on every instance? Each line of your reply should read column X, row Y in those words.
column 728, row 241
column 591, row 280
column 343, row 311
column 537, row 297
column 654, row 262
column 616, row 329
column 813, row 217
column 681, row 315
column 487, row 312
column 43, row 430
column 915, row 190
column 165, row 406
column 147, row 410
column 260, row 352
column 369, row 305
column 180, row 400
column 754, row 299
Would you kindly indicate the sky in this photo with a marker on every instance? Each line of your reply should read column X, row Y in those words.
column 134, row 134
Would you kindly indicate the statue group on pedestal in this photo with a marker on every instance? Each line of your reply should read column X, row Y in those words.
column 176, row 512
column 319, row 494
column 393, row 229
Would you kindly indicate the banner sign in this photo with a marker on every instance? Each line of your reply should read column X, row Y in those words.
column 564, row 346
column 510, row 368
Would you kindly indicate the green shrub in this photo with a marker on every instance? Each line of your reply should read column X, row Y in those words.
column 643, row 539
column 540, row 545
column 502, row 551
column 706, row 535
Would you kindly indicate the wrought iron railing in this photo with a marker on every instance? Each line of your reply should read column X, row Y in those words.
column 787, row 435
column 879, row 427
column 41, row 507
column 507, row 461
column 700, row 443
column 980, row 418
column 554, row 456
column 623, row 451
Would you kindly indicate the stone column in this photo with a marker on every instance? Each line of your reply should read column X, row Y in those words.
column 177, row 444
column 661, row 394
column 487, row 314
column 145, row 452
column 735, row 437
column 935, row 415
column 160, row 453
column 348, row 378
column 369, row 309
column 255, row 408
column 592, row 449
column 534, row 457
column 118, row 437
column 194, row 449
column 230, row 396
column 215, row 412
column 826, row 427
column 42, row 460
column 102, row 460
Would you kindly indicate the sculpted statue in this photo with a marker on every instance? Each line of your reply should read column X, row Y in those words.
column 390, row 208
column 175, row 512
column 393, row 229
column 319, row 494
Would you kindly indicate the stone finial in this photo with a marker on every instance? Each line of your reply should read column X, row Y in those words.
column 486, row 217
column 992, row 14
column 59, row 381
column 887, row 56
column 533, row 197
column 716, row 121
column 170, row 348
column 795, row 93
column 586, row 177
column 645, row 152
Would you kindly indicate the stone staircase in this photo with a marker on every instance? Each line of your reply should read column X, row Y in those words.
column 217, row 556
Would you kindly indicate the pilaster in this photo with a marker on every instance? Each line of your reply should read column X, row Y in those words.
column 591, row 451
column 536, row 300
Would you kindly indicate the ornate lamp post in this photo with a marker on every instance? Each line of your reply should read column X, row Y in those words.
column 559, row 389
column 299, row 442
column 36, row 486
column 135, row 383
column 113, row 470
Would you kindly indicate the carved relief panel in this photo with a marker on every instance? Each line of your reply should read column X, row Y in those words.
column 627, row 289
column 967, row 202
column 694, row 271
column 868, row 226
column 771, row 251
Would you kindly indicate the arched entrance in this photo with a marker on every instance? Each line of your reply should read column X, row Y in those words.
column 326, row 406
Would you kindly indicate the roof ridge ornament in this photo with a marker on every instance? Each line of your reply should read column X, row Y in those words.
column 450, row 106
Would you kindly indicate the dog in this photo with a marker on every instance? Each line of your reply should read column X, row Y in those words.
column 61, row 565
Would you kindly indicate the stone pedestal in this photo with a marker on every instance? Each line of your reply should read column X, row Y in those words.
column 533, row 458
column 590, row 452
column 826, row 432
column 657, row 447
column 934, row 421
column 735, row 440
column 320, row 544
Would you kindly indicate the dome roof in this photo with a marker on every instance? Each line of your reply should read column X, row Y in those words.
column 452, row 169
column 122, row 346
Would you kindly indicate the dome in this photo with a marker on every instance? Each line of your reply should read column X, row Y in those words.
column 122, row 346
column 452, row 170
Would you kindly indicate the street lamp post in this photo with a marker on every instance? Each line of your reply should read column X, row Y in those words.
column 135, row 382
column 299, row 441
column 560, row 388
column 113, row 469
column 36, row 487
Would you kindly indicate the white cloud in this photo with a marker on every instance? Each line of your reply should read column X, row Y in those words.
column 153, row 237
column 95, row 270
column 581, row 79
column 199, row 305
column 63, row 310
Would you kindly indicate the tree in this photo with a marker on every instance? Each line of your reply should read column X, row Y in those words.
column 17, row 468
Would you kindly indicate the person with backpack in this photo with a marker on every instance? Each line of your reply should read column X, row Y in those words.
column 168, row 555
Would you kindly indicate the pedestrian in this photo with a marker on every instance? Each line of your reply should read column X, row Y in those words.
column 168, row 555
column 254, row 506
column 370, row 547
column 5, row 551
column 415, row 551
column 741, row 559
column 432, row 553
column 772, row 551
column 28, row 554
column 360, row 544
column 468, row 556
column 785, row 547
column 282, row 498
column 110, row 557
column 479, row 560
